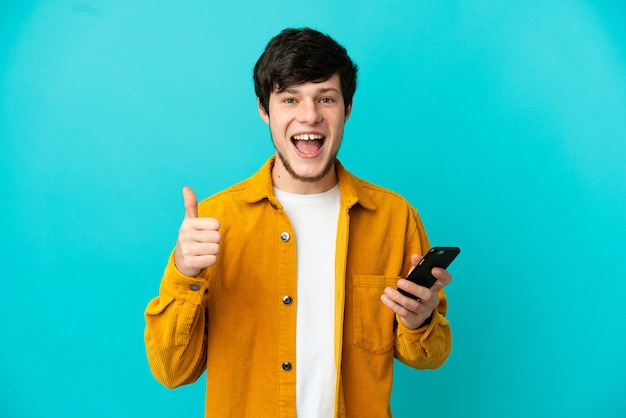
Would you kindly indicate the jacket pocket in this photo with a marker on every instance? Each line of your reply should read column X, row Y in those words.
column 373, row 321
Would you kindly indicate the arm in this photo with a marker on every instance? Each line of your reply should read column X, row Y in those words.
column 176, row 320
column 175, row 334
column 423, row 338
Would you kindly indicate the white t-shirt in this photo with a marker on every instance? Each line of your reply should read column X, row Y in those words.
column 314, row 219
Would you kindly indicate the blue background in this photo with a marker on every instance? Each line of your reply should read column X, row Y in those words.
column 504, row 123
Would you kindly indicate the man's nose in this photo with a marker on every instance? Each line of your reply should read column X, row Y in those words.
column 310, row 113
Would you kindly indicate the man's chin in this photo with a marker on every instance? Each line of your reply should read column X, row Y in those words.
column 308, row 174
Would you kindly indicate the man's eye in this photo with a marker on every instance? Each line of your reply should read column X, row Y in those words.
column 327, row 100
column 289, row 100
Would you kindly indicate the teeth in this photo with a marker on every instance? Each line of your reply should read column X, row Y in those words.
column 307, row 137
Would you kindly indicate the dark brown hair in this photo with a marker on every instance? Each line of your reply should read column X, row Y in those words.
column 297, row 56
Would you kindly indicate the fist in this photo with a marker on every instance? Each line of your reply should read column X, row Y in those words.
column 198, row 239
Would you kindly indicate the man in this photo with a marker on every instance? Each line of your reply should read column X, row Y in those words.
column 284, row 287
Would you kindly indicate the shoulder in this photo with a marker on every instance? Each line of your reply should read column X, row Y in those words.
column 226, row 197
column 367, row 191
column 379, row 192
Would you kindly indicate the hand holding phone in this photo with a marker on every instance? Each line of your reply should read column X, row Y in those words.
column 435, row 257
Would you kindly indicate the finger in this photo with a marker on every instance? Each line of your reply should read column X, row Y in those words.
column 191, row 203
column 201, row 249
column 411, row 316
column 398, row 298
column 388, row 300
column 420, row 292
column 199, row 263
column 442, row 275
column 415, row 259
column 202, row 224
column 443, row 278
column 194, row 237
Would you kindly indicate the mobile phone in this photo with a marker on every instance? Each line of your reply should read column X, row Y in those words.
column 435, row 257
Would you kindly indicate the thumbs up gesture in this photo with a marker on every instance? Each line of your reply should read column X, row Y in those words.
column 198, row 239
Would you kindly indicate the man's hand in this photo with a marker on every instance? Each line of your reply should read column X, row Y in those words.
column 413, row 312
column 198, row 239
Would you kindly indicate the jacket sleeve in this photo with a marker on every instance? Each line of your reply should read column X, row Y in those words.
column 175, row 334
column 426, row 347
column 429, row 346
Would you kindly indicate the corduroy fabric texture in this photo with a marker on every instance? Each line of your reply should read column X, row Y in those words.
column 232, row 321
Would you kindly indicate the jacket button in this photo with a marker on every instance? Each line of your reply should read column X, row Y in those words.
column 285, row 236
column 287, row 300
column 195, row 287
column 286, row 366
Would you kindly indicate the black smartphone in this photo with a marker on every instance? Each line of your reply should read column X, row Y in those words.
column 435, row 257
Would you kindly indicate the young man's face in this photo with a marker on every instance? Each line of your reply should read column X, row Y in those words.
column 306, row 122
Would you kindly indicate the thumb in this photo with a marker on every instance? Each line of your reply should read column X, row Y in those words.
column 191, row 203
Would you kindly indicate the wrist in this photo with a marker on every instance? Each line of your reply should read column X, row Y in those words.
column 422, row 324
column 427, row 321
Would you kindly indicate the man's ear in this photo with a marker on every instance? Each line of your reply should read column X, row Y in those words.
column 348, row 111
column 262, row 112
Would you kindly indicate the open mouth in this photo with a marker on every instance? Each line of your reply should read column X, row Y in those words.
column 308, row 145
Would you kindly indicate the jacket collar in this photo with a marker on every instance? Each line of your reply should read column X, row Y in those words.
column 260, row 187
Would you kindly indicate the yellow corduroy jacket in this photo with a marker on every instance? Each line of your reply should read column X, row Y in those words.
column 237, row 320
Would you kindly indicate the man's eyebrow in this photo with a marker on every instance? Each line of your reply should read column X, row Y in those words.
column 295, row 90
column 327, row 89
